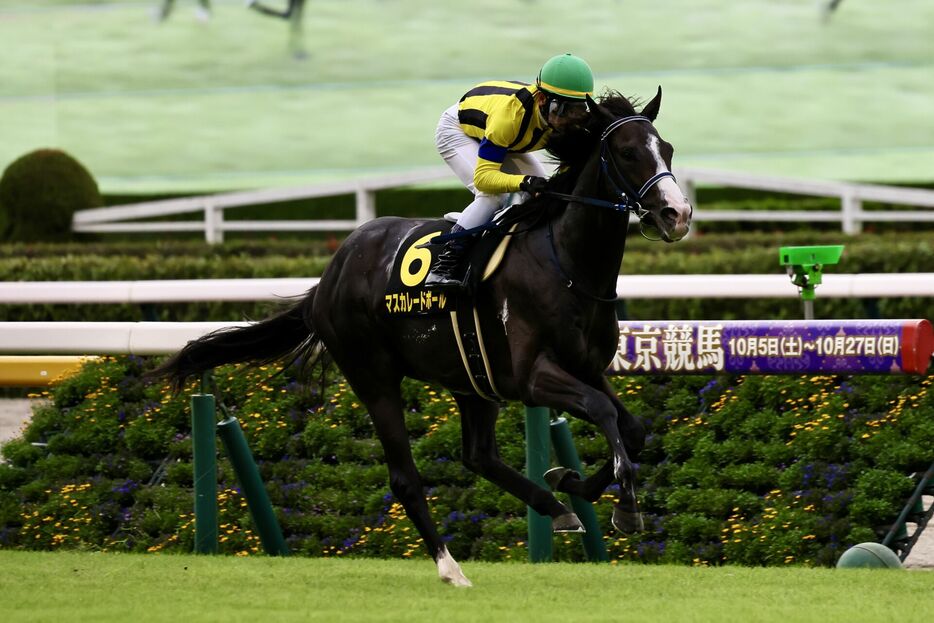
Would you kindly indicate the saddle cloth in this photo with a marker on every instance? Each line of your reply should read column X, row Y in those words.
column 406, row 294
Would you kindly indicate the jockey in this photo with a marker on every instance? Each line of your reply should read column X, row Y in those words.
column 487, row 139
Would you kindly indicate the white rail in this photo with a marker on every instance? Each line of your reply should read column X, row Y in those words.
column 102, row 338
column 114, row 219
column 851, row 215
column 868, row 285
column 165, row 291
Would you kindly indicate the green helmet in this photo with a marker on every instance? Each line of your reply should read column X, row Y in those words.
column 566, row 75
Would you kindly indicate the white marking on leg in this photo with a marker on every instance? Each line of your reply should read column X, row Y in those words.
column 504, row 314
column 449, row 570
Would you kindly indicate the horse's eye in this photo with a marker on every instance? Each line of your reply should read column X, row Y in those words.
column 628, row 153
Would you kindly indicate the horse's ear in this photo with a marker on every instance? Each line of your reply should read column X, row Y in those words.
column 651, row 109
column 596, row 110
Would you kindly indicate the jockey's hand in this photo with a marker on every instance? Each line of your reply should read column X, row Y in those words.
column 532, row 184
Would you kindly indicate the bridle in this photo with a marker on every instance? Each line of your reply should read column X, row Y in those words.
column 626, row 199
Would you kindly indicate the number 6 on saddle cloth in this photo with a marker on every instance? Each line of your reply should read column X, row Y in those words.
column 406, row 294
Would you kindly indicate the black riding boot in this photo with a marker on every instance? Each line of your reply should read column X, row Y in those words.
column 446, row 272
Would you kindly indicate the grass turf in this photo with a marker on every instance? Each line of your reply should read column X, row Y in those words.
column 72, row 586
column 184, row 106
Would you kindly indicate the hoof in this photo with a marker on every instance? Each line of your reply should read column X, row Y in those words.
column 449, row 571
column 459, row 582
column 555, row 475
column 567, row 522
column 627, row 522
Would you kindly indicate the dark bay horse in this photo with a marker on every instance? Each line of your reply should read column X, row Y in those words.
column 547, row 315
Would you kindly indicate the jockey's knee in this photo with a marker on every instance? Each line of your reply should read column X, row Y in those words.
column 480, row 210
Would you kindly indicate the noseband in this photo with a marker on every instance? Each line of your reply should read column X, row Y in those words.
column 628, row 199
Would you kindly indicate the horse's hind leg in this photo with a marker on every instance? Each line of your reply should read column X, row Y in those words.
column 384, row 402
column 481, row 455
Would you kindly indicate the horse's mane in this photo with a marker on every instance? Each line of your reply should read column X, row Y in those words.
column 571, row 149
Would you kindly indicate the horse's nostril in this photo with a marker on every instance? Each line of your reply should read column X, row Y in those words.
column 669, row 215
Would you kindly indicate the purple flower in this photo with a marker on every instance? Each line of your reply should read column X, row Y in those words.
column 127, row 487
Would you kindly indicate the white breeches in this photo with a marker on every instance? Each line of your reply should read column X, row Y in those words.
column 460, row 153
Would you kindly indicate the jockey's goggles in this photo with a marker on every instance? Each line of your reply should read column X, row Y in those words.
column 566, row 108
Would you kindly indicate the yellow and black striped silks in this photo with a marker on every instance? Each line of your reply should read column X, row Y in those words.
column 503, row 116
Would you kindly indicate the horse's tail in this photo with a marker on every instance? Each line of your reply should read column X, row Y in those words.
column 285, row 337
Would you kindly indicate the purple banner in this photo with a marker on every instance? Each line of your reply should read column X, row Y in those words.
column 774, row 347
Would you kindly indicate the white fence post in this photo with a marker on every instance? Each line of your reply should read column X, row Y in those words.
column 213, row 223
column 366, row 205
column 851, row 206
column 690, row 189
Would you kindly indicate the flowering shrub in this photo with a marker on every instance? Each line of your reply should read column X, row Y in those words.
column 746, row 470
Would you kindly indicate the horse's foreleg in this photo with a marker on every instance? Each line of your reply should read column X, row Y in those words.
column 550, row 385
column 626, row 515
column 591, row 488
column 481, row 455
column 630, row 427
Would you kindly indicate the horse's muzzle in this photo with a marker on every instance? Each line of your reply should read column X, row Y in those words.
column 669, row 223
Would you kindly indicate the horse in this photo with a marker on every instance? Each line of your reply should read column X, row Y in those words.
column 547, row 315
column 293, row 14
column 203, row 12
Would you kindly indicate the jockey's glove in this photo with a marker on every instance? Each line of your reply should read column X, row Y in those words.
column 532, row 184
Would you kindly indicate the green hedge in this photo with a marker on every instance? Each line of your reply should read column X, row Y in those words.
column 714, row 254
column 746, row 470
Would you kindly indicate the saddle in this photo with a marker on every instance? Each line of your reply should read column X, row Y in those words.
column 406, row 294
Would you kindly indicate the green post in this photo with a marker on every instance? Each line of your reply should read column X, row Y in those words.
column 204, row 447
column 567, row 456
column 537, row 461
column 264, row 517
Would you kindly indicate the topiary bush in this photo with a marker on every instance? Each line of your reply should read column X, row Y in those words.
column 39, row 193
